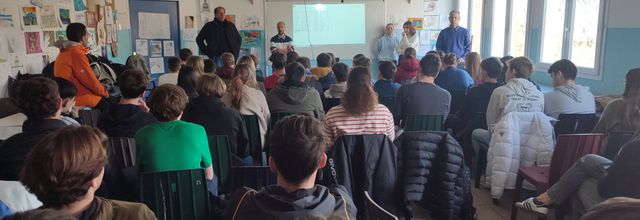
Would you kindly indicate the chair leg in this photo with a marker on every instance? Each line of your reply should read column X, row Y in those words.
column 516, row 197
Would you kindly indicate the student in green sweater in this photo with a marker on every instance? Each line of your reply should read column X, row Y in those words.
column 172, row 144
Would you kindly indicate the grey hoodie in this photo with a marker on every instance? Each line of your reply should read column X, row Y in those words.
column 273, row 202
column 569, row 99
column 295, row 99
column 518, row 95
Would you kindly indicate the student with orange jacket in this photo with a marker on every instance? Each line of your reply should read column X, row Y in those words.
column 72, row 64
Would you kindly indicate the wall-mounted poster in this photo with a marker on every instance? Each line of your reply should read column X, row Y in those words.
column 79, row 5
column 189, row 22
column 48, row 17
column 7, row 16
column 156, row 65
column 153, row 26
column 168, row 48
column 142, row 47
column 417, row 22
column 156, row 48
column 65, row 16
column 431, row 22
column 91, row 19
column 61, row 35
column 29, row 17
column 430, row 6
column 49, row 38
column 32, row 42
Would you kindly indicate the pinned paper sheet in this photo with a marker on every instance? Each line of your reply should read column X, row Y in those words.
column 48, row 17
column 168, row 48
column 8, row 16
column 142, row 47
column 156, row 65
column 153, row 25
column 156, row 48
column 29, row 17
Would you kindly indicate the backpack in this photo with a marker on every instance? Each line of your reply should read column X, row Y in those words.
column 105, row 74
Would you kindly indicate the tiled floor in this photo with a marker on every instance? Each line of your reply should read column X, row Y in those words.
column 485, row 209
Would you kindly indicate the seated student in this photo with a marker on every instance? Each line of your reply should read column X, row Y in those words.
column 217, row 119
column 40, row 101
column 591, row 180
column 187, row 79
column 253, row 81
column 567, row 97
column 68, row 95
column 131, row 113
column 334, row 60
column 518, row 95
column 363, row 62
column 385, row 87
column 451, row 78
column 359, row 111
column 137, row 63
column 157, row 144
column 293, row 95
column 623, row 208
column 408, row 67
column 247, row 100
column 197, row 63
column 278, row 62
column 411, row 98
column 292, row 57
column 622, row 114
column 185, row 53
column 172, row 76
column 228, row 65
column 38, row 214
column 259, row 73
column 473, row 110
column 306, row 63
column 323, row 71
column 209, row 66
column 472, row 66
column 505, row 67
column 341, row 71
column 355, row 57
column 297, row 149
column 72, row 64
column 66, row 168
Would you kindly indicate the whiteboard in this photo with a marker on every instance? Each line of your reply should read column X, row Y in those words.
column 375, row 17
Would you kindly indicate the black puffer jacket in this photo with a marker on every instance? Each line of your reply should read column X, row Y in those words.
column 365, row 163
column 431, row 165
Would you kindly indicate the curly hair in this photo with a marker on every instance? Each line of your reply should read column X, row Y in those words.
column 39, row 98
column 59, row 167
column 167, row 102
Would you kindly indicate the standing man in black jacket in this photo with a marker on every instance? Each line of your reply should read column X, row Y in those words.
column 219, row 36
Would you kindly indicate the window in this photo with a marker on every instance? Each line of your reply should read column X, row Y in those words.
column 498, row 27
column 518, row 27
column 476, row 24
column 553, row 31
column 583, row 45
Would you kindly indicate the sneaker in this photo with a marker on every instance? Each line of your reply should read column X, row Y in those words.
column 532, row 204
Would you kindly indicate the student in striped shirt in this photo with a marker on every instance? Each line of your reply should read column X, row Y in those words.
column 359, row 111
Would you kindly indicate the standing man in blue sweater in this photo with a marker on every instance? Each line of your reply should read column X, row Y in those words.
column 455, row 39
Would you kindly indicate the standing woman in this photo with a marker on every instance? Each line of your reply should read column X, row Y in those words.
column 359, row 111
column 247, row 100
column 472, row 65
column 409, row 39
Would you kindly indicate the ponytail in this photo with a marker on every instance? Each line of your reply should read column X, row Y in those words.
column 243, row 73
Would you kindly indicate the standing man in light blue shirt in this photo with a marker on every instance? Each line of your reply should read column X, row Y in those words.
column 387, row 45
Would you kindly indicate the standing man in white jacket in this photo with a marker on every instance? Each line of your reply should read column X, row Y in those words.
column 409, row 39
column 518, row 95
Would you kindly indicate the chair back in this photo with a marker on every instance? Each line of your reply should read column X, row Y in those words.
column 375, row 211
column 180, row 194
column 329, row 103
column 221, row 160
column 457, row 98
column 615, row 141
column 254, row 177
column 89, row 117
column 575, row 123
column 121, row 174
column 424, row 123
column 569, row 148
column 388, row 102
column 255, row 139
column 276, row 116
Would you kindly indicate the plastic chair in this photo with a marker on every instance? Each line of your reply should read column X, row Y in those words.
column 89, row 117
column 255, row 139
column 388, row 102
column 254, row 177
column 575, row 123
column 457, row 99
column 120, row 173
column 569, row 148
column 424, row 123
column 615, row 141
column 180, row 194
column 375, row 211
column 329, row 103
column 221, row 160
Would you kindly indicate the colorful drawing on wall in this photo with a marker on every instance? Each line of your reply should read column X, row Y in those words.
column 251, row 22
column 65, row 16
column 250, row 38
column 32, row 42
column 79, row 5
column 61, row 35
column 417, row 23
column 29, row 17
column 48, row 17
column 156, row 48
column 189, row 22
column 6, row 17
column 431, row 22
column 430, row 6
column 91, row 19
column 101, row 33
column 230, row 18
column 49, row 38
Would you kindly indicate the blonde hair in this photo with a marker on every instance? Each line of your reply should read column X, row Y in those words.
column 197, row 63
column 523, row 67
column 211, row 85
column 227, row 59
column 243, row 73
column 472, row 64
column 248, row 60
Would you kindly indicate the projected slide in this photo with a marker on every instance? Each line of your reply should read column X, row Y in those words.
column 328, row 24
